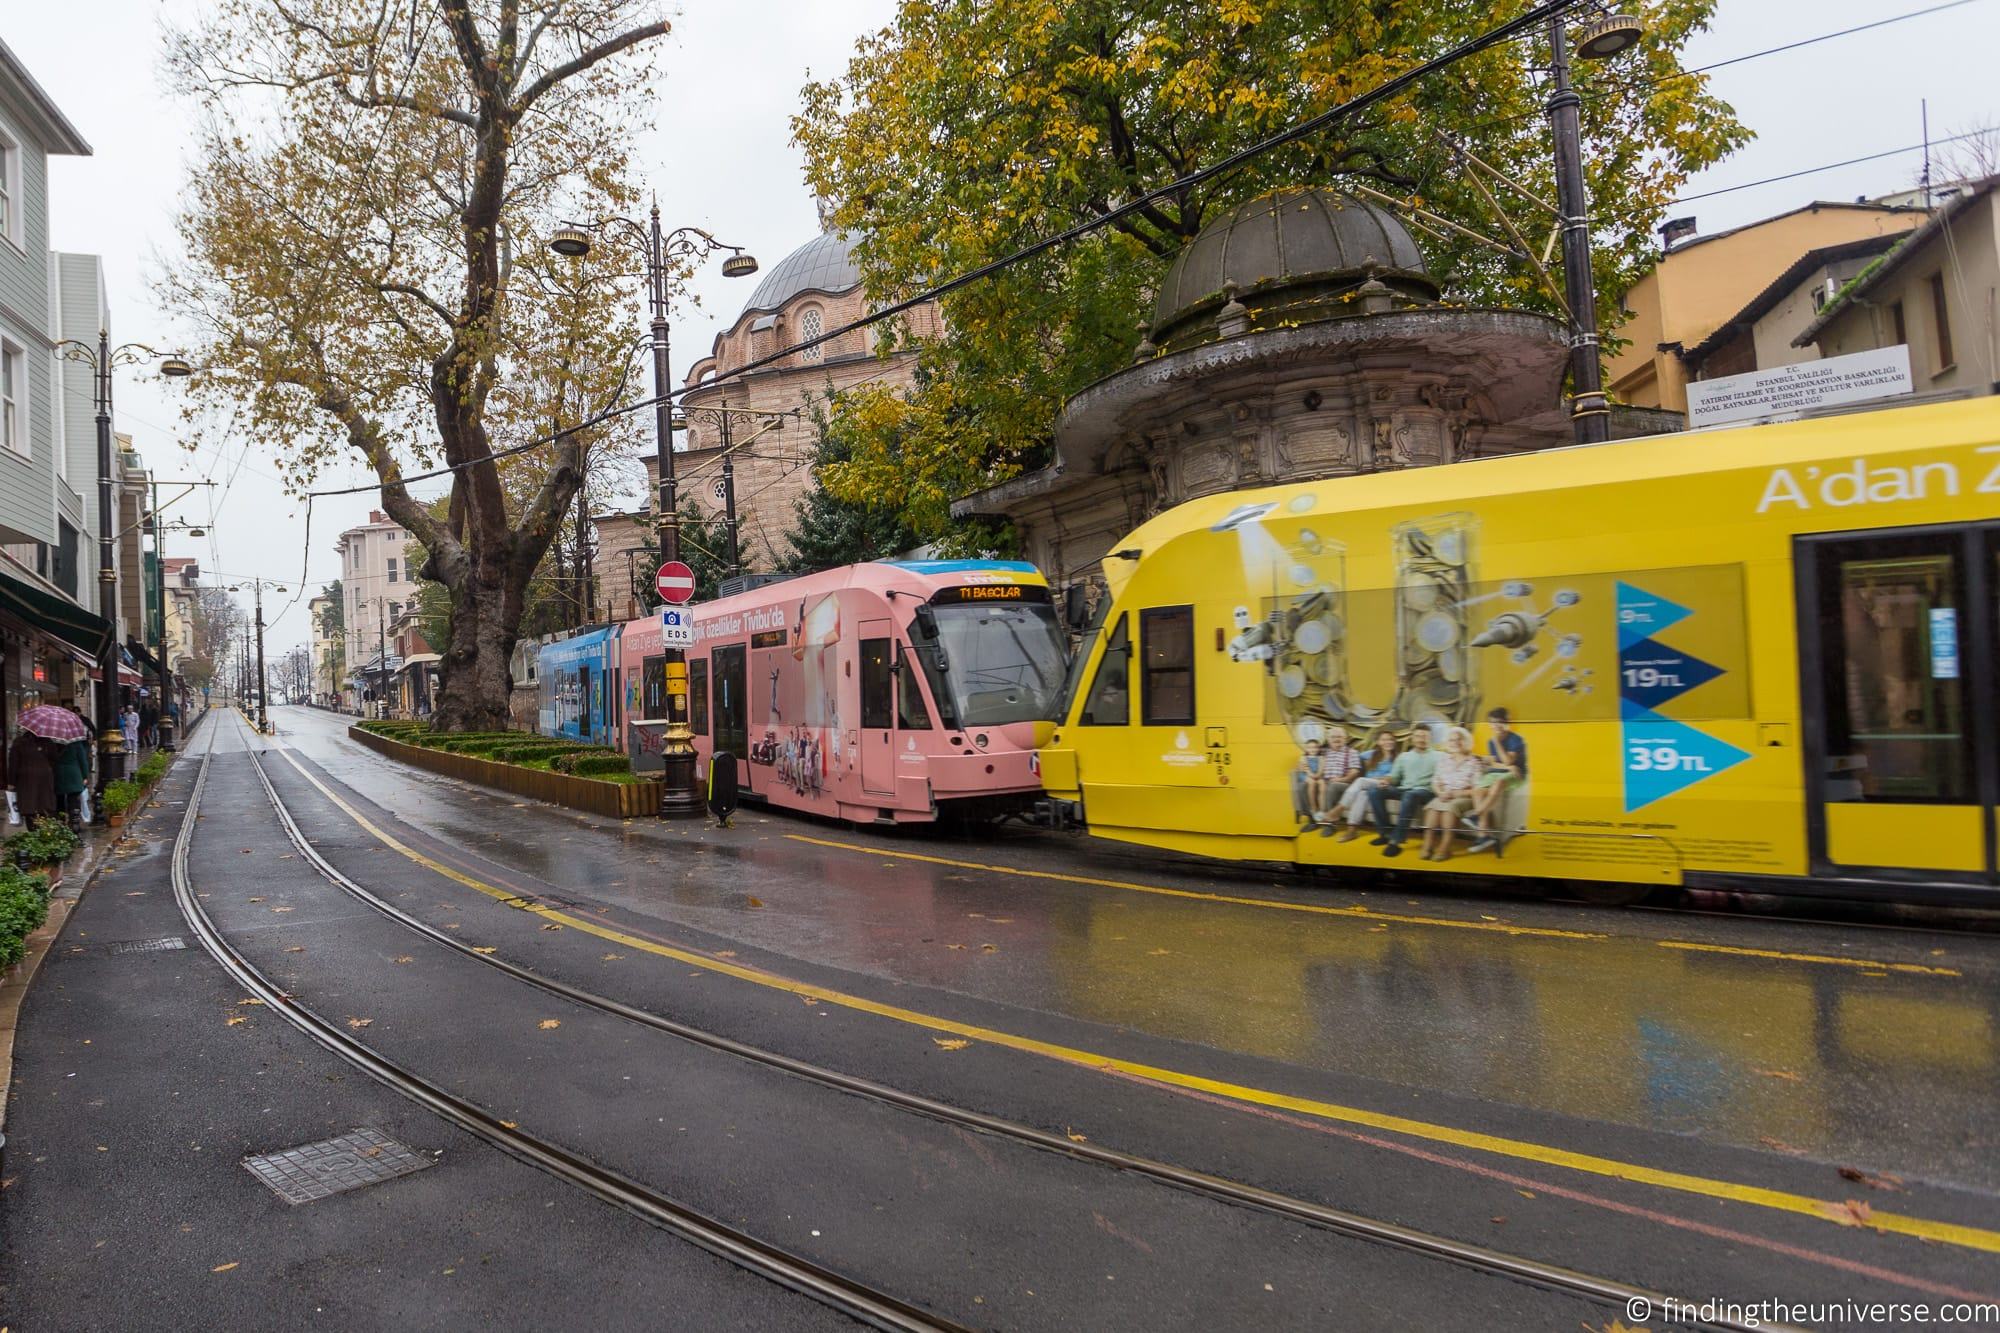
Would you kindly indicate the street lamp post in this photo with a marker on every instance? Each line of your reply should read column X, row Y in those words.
column 101, row 360
column 679, row 797
column 1590, row 410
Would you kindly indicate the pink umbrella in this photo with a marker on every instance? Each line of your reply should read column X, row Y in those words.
column 55, row 724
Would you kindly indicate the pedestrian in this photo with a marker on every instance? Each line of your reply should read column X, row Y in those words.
column 71, row 764
column 149, row 723
column 34, row 777
column 128, row 722
column 1410, row 783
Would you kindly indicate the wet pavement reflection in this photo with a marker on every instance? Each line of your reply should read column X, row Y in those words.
column 1891, row 1070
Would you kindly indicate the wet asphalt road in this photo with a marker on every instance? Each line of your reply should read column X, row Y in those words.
column 1667, row 1100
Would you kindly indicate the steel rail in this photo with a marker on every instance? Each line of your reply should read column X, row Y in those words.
column 852, row 1298
column 1463, row 1253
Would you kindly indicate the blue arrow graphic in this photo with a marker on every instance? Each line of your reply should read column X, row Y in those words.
column 1650, row 673
column 1663, row 756
column 1642, row 614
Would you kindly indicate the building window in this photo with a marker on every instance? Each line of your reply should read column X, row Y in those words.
column 13, row 384
column 10, row 190
column 392, row 569
column 1945, row 360
column 810, row 327
column 1896, row 326
column 1166, row 646
column 395, row 610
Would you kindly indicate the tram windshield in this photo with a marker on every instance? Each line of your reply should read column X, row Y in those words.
column 1002, row 663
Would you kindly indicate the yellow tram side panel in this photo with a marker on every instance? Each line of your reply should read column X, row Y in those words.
column 1691, row 533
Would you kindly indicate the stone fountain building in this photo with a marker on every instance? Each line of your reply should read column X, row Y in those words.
column 1298, row 337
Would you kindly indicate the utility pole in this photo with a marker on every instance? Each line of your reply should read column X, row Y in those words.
column 263, row 681
column 733, row 567
column 382, row 658
column 1590, row 411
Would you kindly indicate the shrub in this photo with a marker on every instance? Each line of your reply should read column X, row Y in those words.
column 120, row 796
column 47, row 843
column 24, row 905
column 602, row 766
column 154, row 768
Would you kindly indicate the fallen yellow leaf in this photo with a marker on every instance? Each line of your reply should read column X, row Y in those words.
column 611, row 957
column 482, row 948
column 952, row 1043
column 406, row 959
column 295, row 948
column 1073, row 1136
column 359, row 1022
column 223, row 1268
column 552, row 926
column 548, row 1023
column 234, row 1019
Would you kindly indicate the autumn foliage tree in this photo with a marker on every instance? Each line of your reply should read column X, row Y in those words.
column 964, row 130
column 366, row 271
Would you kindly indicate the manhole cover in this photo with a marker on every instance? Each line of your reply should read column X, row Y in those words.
column 149, row 946
column 315, row 1170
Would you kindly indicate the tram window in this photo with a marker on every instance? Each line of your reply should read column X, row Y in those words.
column 876, row 706
column 1893, row 686
column 698, row 697
column 1166, row 642
column 1109, row 703
column 911, row 715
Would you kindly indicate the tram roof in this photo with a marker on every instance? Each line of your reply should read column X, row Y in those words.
column 1687, row 453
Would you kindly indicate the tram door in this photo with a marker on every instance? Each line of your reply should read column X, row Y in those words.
column 1898, row 633
column 732, row 714
column 878, row 708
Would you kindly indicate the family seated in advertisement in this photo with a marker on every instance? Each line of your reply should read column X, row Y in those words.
column 1335, row 788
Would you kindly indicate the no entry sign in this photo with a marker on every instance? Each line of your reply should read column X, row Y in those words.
column 675, row 582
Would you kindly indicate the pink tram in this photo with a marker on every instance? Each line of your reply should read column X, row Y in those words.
column 883, row 692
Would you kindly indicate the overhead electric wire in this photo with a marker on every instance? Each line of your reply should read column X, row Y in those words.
column 1495, row 36
column 1830, row 166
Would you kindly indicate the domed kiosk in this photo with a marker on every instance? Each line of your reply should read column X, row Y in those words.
column 1298, row 336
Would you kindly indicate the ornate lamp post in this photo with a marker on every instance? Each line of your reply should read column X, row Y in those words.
column 679, row 797
column 102, row 359
column 1600, row 39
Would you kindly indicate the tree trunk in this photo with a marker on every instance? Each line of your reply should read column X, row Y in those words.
column 478, row 680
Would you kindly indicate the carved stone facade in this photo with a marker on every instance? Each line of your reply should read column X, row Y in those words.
column 1297, row 338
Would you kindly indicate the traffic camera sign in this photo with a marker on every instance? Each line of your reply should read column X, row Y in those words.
column 677, row 627
column 675, row 582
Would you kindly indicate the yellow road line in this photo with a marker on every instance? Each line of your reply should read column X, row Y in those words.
column 1368, row 913
column 1317, row 909
column 1948, row 1233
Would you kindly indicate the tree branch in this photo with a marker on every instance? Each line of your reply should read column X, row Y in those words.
column 602, row 51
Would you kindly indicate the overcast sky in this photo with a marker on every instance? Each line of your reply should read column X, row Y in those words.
column 721, row 158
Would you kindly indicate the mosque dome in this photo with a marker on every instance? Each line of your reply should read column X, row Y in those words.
column 823, row 264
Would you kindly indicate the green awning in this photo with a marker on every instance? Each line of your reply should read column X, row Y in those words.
column 55, row 615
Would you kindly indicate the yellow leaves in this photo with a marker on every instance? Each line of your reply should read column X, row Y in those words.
column 951, row 1043
column 224, row 1268
column 359, row 1023
column 549, row 1023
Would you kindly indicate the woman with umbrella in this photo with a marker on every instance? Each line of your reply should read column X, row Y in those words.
column 72, row 766
column 44, row 728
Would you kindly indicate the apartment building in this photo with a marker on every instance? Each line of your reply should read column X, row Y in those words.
column 376, row 583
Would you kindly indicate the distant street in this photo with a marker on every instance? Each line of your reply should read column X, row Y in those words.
column 1687, row 1104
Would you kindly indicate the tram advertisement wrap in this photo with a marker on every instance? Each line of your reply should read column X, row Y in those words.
column 1564, row 721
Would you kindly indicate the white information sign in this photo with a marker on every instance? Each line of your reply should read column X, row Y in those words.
column 677, row 627
column 1772, row 395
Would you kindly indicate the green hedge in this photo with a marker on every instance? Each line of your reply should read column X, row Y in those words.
column 24, row 905
column 525, row 748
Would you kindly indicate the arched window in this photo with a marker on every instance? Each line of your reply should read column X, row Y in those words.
column 810, row 327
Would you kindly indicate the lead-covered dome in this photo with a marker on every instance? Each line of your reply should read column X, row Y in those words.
column 1296, row 253
column 823, row 264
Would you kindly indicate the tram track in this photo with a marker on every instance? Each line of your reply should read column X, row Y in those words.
column 1484, row 1260
column 865, row 1304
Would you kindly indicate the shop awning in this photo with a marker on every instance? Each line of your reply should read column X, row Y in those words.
column 54, row 615
column 420, row 659
column 141, row 656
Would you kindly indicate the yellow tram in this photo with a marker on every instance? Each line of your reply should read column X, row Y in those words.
column 1762, row 656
